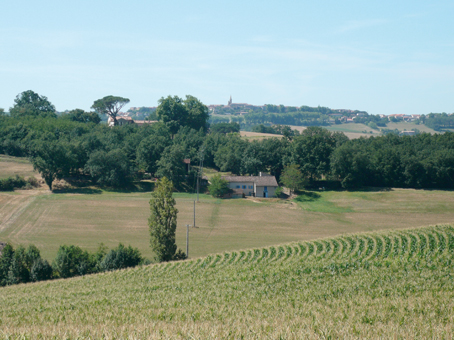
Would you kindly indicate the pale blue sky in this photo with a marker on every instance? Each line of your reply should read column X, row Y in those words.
column 380, row 56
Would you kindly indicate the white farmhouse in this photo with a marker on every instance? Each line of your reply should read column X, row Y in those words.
column 258, row 186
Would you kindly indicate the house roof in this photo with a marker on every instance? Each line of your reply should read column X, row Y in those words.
column 258, row 180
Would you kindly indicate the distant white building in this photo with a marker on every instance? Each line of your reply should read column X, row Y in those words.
column 258, row 186
column 128, row 120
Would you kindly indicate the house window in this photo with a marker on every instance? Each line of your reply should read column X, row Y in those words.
column 251, row 187
column 238, row 186
column 244, row 187
column 266, row 189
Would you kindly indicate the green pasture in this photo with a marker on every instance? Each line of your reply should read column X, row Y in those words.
column 381, row 285
column 353, row 127
column 401, row 126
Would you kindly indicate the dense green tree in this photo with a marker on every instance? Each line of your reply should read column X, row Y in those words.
column 171, row 165
column 72, row 261
column 78, row 115
column 252, row 159
column 109, row 168
column 32, row 254
column 225, row 128
column 190, row 141
column 228, row 156
column 150, row 151
column 218, row 186
column 292, row 178
column 41, row 270
column 176, row 112
column 275, row 151
column 163, row 221
column 6, row 259
column 53, row 160
column 312, row 150
column 30, row 103
column 211, row 144
column 198, row 114
column 110, row 105
column 19, row 271
column 351, row 165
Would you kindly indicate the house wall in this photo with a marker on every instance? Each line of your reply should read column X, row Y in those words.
column 260, row 190
column 249, row 191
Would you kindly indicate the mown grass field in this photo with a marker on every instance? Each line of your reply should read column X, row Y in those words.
column 90, row 216
column 393, row 284
column 12, row 166
column 49, row 220
column 257, row 135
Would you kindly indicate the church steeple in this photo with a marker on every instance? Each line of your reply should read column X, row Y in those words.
column 230, row 101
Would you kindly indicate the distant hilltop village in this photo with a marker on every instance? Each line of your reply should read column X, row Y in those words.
column 243, row 108
column 269, row 114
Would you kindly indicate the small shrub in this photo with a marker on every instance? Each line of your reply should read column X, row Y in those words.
column 278, row 192
column 11, row 183
column 180, row 255
column 6, row 184
column 121, row 257
column 219, row 186
column 32, row 182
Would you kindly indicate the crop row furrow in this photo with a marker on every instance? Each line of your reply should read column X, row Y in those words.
column 422, row 244
column 343, row 248
column 319, row 249
column 359, row 251
column 311, row 249
column 265, row 253
column 441, row 240
column 303, row 250
column 370, row 247
column 378, row 250
column 387, row 246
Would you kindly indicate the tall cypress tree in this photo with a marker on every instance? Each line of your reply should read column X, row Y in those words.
column 163, row 221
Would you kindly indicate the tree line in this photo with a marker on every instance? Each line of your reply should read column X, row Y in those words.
column 75, row 146
column 22, row 265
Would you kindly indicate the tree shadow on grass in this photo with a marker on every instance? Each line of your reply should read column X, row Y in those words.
column 143, row 186
column 370, row 189
column 86, row 191
column 308, row 196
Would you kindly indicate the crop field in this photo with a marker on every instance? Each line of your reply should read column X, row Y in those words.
column 391, row 284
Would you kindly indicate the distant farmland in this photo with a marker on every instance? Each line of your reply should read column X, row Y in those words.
column 88, row 217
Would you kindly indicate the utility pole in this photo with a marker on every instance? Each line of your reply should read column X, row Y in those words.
column 194, row 215
column 187, row 240
column 199, row 174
